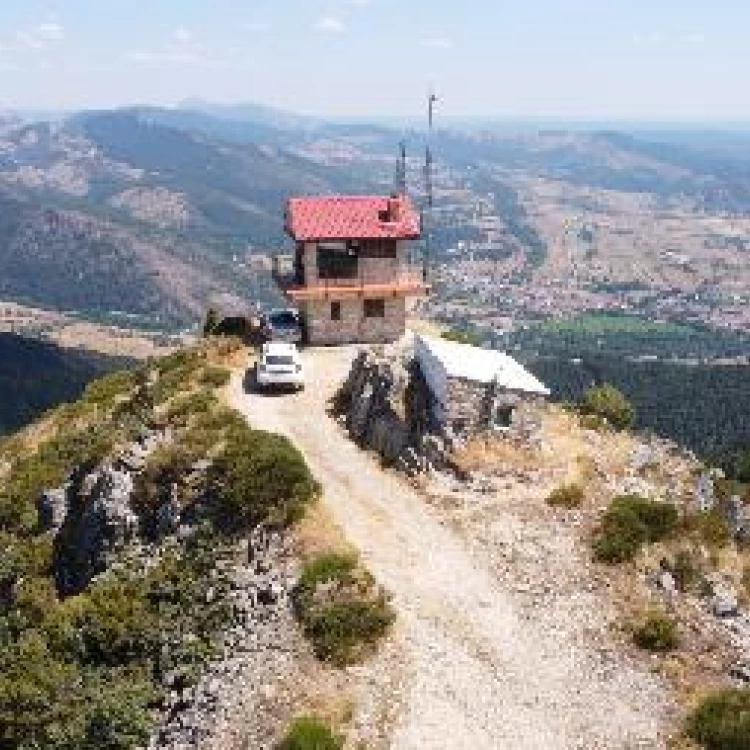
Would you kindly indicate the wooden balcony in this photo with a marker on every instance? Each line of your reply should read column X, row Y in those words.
column 408, row 281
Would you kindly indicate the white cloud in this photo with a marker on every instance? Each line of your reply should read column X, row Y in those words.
column 649, row 39
column 697, row 38
column 40, row 36
column 50, row 32
column 163, row 56
column 330, row 24
column 438, row 42
column 258, row 26
column 183, row 35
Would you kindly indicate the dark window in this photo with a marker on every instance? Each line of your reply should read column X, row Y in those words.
column 379, row 249
column 335, row 311
column 337, row 261
column 374, row 308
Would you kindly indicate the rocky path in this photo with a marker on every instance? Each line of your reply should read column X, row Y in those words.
column 481, row 673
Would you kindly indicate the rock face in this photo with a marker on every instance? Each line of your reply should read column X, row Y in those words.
column 228, row 706
column 388, row 406
column 92, row 517
column 96, row 522
column 99, row 522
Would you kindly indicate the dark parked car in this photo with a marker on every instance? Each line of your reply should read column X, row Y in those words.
column 281, row 325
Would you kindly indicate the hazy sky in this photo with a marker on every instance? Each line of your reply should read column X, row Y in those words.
column 640, row 59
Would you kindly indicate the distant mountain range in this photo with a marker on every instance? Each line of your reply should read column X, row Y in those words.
column 145, row 211
column 151, row 212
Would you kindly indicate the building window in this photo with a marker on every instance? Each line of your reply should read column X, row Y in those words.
column 337, row 260
column 374, row 308
column 335, row 311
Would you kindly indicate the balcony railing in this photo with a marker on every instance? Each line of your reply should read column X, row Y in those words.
column 406, row 280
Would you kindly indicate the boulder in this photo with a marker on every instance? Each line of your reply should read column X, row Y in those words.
column 724, row 603
column 52, row 507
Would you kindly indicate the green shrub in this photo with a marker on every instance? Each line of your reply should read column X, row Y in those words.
column 261, row 477
column 657, row 633
column 630, row 522
column 686, row 569
column 722, row 721
column 186, row 361
column 607, row 402
column 463, row 337
column 712, row 528
column 566, row 496
column 46, row 468
column 190, row 405
column 106, row 390
column 215, row 377
column 115, row 623
column 342, row 632
column 307, row 733
column 211, row 321
column 342, row 610
column 333, row 566
column 594, row 422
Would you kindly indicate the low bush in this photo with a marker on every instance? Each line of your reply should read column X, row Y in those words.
column 566, row 496
column 46, row 468
column 308, row 733
column 686, row 569
column 342, row 610
column 190, row 405
column 629, row 523
column 105, row 391
column 261, row 477
column 712, row 528
column 463, row 337
column 607, row 402
column 722, row 721
column 657, row 633
column 214, row 377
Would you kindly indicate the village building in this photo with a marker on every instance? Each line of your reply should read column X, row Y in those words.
column 351, row 274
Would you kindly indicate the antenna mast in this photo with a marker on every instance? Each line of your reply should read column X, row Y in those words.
column 429, row 196
column 401, row 169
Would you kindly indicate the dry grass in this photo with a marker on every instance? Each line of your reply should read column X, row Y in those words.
column 318, row 534
column 487, row 453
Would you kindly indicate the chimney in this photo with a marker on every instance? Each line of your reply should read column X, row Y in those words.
column 394, row 208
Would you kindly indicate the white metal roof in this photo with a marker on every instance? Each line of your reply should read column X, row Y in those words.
column 479, row 365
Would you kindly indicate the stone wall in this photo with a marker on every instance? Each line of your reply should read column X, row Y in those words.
column 353, row 327
column 388, row 407
column 473, row 408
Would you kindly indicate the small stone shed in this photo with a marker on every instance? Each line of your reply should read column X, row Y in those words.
column 478, row 389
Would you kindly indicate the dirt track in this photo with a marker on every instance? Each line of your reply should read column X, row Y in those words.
column 482, row 674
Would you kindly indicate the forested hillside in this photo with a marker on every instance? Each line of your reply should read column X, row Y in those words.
column 36, row 375
column 119, row 212
column 703, row 407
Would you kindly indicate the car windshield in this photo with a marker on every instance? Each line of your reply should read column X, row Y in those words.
column 276, row 359
column 283, row 320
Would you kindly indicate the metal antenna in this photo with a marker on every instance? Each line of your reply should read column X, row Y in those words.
column 427, row 214
column 401, row 170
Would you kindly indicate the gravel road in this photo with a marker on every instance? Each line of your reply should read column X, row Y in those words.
column 482, row 674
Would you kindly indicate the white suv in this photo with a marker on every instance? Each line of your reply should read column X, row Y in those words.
column 279, row 365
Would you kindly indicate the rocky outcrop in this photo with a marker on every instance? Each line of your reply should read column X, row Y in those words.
column 92, row 517
column 387, row 407
column 98, row 524
column 257, row 648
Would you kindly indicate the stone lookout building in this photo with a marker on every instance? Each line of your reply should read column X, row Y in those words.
column 350, row 276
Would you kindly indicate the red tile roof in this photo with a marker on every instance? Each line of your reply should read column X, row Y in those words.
column 360, row 217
